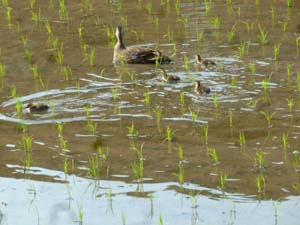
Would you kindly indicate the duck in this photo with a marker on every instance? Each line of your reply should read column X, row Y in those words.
column 201, row 89
column 135, row 55
column 169, row 78
column 36, row 107
column 204, row 62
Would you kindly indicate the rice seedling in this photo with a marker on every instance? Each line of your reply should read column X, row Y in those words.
column 114, row 93
column 230, row 119
column 284, row 25
column 94, row 167
column 231, row 34
column 124, row 20
column 19, row 108
column 272, row 12
column 66, row 71
column 123, row 219
column 289, row 3
column 296, row 160
column 80, row 214
column 263, row 35
column 207, row 4
column 92, row 57
column 149, row 7
column 170, row 134
column 276, row 51
column 180, row 174
column 205, row 133
column 156, row 24
column 185, row 20
column 66, row 164
column 63, row 143
column 26, row 142
column 215, row 100
column 288, row 70
column 257, row 2
column 217, row 22
column 60, row 54
column 242, row 139
column 290, row 102
column 63, row 13
column 8, row 16
column 147, row 97
column 138, row 169
column 194, row 115
column 243, row 49
column 260, row 183
column 87, row 110
column 49, row 29
column 36, row 16
column 132, row 132
column 92, row 127
column 160, row 220
column 233, row 81
column 5, row 3
column 223, row 178
column 60, row 128
column 298, row 83
column 158, row 113
column 182, row 98
column 185, row 62
column 252, row 67
column 177, row 7
column 180, row 152
column 27, row 162
column 260, row 159
column 35, row 71
column 110, row 33
column 87, row 5
column 268, row 117
column 285, row 142
column 214, row 155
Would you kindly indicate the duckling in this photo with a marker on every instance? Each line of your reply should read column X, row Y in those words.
column 169, row 78
column 135, row 55
column 36, row 107
column 204, row 62
column 201, row 89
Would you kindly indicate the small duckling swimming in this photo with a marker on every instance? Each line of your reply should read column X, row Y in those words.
column 201, row 89
column 36, row 107
column 169, row 78
column 204, row 62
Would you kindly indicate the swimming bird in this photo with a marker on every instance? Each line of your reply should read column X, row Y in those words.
column 204, row 62
column 169, row 78
column 136, row 55
column 201, row 89
column 36, row 107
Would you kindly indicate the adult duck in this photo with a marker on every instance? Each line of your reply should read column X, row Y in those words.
column 201, row 89
column 135, row 55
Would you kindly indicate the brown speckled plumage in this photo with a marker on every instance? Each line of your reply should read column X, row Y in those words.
column 135, row 55
column 204, row 62
column 169, row 78
column 36, row 107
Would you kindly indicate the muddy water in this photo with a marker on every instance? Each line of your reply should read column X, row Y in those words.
column 112, row 99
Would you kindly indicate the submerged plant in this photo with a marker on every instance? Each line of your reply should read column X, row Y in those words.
column 132, row 132
column 260, row 183
column 223, row 178
column 231, row 34
column 268, row 117
column 260, row 159
column 263, row 35
column 214, row 155
column 276, row 51
column 242, row 139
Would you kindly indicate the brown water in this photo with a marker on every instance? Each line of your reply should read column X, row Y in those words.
column 112, row 98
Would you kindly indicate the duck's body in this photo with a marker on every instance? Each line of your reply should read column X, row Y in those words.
column 201, row 89
column 203, row 62
column 36, row 107
column 135, row 55
column 169, row 78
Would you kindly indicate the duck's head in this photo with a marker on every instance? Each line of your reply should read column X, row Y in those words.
column 197, row 84
column 118, row 31
column 198, row 58
column 164, row 73
column 29, row 105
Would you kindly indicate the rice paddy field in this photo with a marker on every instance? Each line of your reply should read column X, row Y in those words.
column 118, row 145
